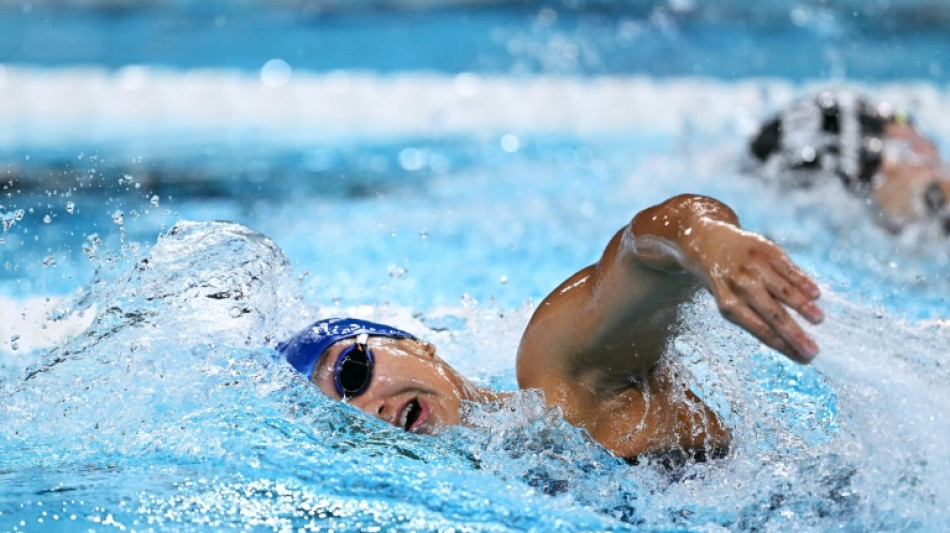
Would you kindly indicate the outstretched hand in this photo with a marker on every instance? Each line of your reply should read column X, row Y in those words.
column 754, row 282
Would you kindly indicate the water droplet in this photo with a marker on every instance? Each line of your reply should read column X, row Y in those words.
column 397, row 272
column 9, row 219
column 276, row 73
column 70, row 207
column 154, row 200
column 510, row 143
column 47, row 219
column 547, row 17
column 469, row 301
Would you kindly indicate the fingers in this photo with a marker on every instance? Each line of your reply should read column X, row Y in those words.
column 753, row 287
column 752, row 322
column 756, row 308
column 794, row 296
column 796, row 276
column 777, row 318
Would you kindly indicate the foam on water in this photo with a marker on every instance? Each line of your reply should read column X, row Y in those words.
column 574, row 156
column 144, row 109
column 171, row 411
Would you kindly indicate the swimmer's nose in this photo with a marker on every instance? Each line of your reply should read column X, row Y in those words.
column 372, row 406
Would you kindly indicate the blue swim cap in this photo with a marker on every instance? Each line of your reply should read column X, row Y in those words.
column 305, row 348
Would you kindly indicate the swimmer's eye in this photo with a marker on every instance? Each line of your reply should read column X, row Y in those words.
column 353, row 371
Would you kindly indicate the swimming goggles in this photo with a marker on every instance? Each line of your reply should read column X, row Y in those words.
column 353, row 370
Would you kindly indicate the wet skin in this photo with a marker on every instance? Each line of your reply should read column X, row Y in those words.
column 594, row 344
column 411, row 388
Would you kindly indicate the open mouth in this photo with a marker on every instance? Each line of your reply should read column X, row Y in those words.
column 413, row 415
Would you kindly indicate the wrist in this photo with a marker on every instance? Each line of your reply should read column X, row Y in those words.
column 676, row 234
column 700, row 240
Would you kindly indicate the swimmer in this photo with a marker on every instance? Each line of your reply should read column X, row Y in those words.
column 593, row 345
column 874, row 149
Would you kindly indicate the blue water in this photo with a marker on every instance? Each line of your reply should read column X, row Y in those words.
column 728, row 39
column 450, row 211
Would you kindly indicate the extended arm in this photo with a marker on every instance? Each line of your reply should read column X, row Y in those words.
column 600, row 334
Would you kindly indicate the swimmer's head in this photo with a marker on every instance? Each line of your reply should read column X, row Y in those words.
column 384, row 371
column 303, row 351
column 835, row 131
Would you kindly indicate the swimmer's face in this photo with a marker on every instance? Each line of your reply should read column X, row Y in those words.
column 910, row 165
column 913, row 148
column 411, row 387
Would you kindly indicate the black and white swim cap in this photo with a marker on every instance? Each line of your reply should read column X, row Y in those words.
column 835, row 131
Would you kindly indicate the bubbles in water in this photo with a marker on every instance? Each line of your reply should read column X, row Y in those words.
column 70, row 207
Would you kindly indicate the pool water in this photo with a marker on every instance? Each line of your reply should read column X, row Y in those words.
column 443, row 179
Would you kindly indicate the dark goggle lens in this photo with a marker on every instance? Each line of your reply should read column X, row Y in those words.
column 354, row 371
